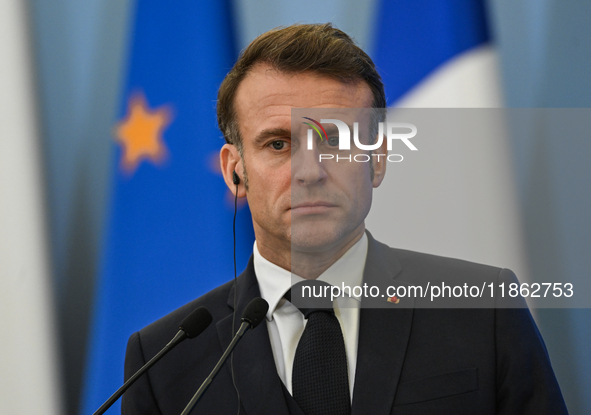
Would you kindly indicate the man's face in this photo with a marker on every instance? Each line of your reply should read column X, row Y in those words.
column 307, row 206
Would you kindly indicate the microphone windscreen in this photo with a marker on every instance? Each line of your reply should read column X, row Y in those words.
column 255, row 312
column 194, row 324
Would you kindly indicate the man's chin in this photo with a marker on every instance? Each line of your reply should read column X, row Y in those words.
column 313, row 238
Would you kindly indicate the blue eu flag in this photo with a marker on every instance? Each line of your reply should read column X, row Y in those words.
column 169, row 235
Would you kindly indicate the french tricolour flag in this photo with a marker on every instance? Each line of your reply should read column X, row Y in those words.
column 456, row 196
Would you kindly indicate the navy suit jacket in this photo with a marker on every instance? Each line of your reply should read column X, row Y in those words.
column 410, row 360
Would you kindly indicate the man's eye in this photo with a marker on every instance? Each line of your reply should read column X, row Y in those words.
column 278, row 145
column 333, row 141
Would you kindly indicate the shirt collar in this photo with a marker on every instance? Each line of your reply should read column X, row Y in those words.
column 274, row 281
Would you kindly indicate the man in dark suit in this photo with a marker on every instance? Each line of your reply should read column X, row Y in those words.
column 399, row 355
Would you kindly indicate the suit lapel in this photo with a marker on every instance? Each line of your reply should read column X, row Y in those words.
column 254, row 366
column 384, row 331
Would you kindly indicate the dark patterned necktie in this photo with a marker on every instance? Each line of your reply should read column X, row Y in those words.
column 320, row 380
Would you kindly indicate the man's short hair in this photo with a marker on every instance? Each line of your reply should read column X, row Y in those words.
column 320, row 48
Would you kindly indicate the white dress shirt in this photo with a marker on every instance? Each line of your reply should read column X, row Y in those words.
column 286, row 323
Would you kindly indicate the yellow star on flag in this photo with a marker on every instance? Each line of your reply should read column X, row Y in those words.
column 140, row 133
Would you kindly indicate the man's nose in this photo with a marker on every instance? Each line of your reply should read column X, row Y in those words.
column 307, row 168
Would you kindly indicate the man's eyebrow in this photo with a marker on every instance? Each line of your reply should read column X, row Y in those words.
column 332, row 129
column 271, row 132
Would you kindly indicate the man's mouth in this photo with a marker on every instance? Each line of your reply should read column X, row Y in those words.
column 309, row 208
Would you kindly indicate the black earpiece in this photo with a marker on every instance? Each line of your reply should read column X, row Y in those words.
column 235, row 178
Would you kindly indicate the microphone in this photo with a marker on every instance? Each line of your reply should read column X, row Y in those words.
column 191, row 327
column 253, row 314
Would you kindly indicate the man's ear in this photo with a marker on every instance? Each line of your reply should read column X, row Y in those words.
column 379, row 163
column 230, row 162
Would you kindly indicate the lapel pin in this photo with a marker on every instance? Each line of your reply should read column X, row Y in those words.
column 393, row 300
